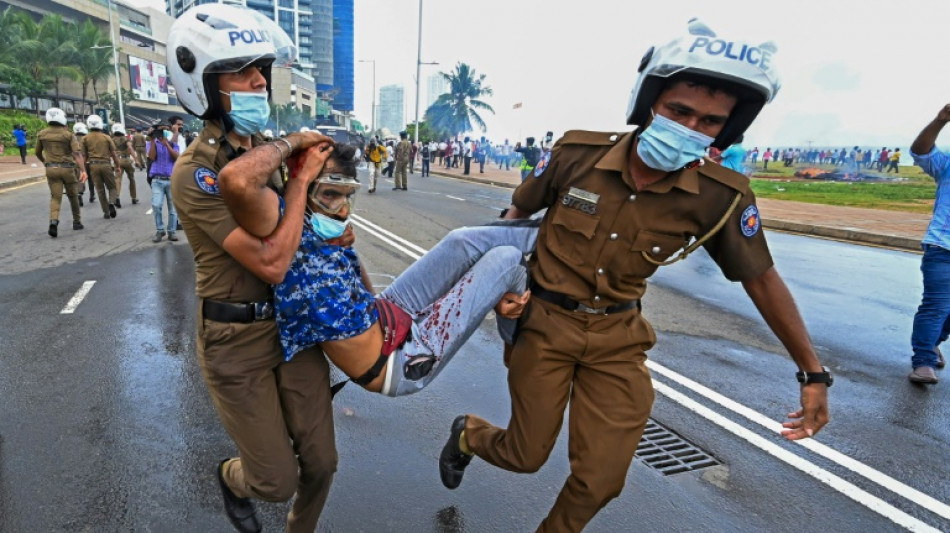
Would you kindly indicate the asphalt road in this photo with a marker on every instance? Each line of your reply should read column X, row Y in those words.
column 105, row 424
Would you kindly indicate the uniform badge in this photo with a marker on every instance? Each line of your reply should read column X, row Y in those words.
column 750, row 223
column 207, row 180
column 581, row 200
column 542, row 164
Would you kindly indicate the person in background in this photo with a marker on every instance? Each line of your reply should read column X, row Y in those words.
column 60, row 152
column 163, row 153
column 426, row 156
column 732, row 157
column 932, row 321
column 894, row 159
column 376, row 155
column 99, row 153
column 530, row 154
column 19, row 133
column 126, row 155
column 504, row 155
column 138, row 146
column 619, row 206
column 402, row 154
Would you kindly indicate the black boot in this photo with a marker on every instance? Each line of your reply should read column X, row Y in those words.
column 53, row 231
column 241, row 511
column 453, row 460
column 118, row 203
column 78, row 225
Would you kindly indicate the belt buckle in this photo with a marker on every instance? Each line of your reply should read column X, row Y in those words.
column 590, row 310
column 263, row 310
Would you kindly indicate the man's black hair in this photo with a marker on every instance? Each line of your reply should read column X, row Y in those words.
column 344, row 156
column 175, row 118
column 530, row 141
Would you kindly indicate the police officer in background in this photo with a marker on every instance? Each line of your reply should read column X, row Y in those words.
column 99, row 151
column 138, row 145
column 277, row 412
column 124, row 151
column 80, row 131
column 59, row 151
column 619, row 206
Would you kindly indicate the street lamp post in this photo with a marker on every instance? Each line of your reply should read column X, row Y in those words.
column 115, row 63
column 419, row 64
column 372, row 118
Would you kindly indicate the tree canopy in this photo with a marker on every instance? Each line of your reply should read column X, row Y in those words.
column 454, row 112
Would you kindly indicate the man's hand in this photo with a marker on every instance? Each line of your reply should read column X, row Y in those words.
column 82, row 177
column 944, row 114
column 512, row 305
column 812, row 416
column 306, row 165
column 301, row 141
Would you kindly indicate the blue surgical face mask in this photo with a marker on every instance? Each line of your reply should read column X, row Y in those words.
column 249, row 112
column 327, row 228
column 668, row 145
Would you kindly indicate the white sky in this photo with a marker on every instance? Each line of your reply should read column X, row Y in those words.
column 865, row 72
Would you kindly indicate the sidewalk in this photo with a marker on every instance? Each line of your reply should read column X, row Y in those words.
column 893, row 229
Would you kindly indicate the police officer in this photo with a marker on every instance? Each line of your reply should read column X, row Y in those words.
column 402, row 161
column 80, row 131
column 277, row 412
column 619, row 206
column 60, row 152
column 99, row 151
column 138, row 145
column 124, row 151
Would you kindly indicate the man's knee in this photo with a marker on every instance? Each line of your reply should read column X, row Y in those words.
column 276, row 484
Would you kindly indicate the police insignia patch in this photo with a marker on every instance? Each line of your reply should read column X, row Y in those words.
column 207, row 180
column 750, row 223
column 542, row 164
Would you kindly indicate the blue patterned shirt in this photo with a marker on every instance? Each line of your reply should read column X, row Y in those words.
column 937, row 165
column 322, row 297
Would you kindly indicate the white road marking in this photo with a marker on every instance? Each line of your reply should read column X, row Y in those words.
column 455, row 197
column 879, row 478
column 844, row 487
column 77, row 298
column 848, row 489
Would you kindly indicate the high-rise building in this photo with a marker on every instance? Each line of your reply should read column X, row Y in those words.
column 392, row 114
column 343, row 55
column 436, row 85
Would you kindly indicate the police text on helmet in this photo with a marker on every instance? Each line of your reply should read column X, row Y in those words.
column 750, row 54
column 248, row 36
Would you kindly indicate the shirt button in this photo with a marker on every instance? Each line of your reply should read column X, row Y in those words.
column 613, row 138
column 600, row 272
column 632, row 197
column 613, row 236
column 596, row 298
column 656, row 249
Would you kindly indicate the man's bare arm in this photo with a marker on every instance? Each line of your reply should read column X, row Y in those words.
column 926, row 139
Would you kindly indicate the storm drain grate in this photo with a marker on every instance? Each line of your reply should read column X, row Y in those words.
column 669, row 453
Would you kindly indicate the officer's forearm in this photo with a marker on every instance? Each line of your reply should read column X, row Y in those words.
column 243, row 185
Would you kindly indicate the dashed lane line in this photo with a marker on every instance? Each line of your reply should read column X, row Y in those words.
column 77, row 298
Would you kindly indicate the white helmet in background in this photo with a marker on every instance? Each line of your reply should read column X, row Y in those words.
column 55, row 115
column 740, row 67
column 94, row 122
column 268, row 134
column 282, row 133
column 118, row 128
column 213, row 39
column 80, row 129
column 304, row 129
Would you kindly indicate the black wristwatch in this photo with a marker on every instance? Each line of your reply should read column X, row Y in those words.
column 807, row 378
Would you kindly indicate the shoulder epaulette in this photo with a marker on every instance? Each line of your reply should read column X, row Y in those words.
column 590, row 138
column 726, row 176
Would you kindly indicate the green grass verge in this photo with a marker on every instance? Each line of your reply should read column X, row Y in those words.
column 913, row 193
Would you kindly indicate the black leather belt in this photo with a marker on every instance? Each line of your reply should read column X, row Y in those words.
column 231, row 312
column 565, row 302
column 100, row 162
column 61, row 165
column 160, row 177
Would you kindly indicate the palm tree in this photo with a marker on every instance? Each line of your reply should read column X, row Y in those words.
column 93, row 57
column 454, row 111
column 57, row 36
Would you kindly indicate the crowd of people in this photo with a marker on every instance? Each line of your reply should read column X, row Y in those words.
column 855, row 158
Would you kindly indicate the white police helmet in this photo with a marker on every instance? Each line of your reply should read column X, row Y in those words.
column 94, row 122
column 282, row 133
column 304, row 129
column 55, row 115
column 268, row 134
column 118, row 128
column 213, row 39
column 745, row 68
column 80, row 129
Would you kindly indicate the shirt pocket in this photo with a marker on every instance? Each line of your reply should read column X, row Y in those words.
column 658, row 247
column 572, row 231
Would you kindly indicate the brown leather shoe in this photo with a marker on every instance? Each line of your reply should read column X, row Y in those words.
column 923, row 374
column 941, row 362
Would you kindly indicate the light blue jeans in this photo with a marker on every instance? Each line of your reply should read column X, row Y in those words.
column 932, row 321
column 448, row 292
column 162, row 190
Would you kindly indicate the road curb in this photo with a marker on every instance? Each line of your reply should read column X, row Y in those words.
column 16, row 182
column 890, row 241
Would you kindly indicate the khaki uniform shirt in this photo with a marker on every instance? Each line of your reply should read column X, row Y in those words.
column 138, row 141
column 98, row 146
column 207, row 221
column 593, row 238
column 402, row 151
column 59, row 144
column 121, row 145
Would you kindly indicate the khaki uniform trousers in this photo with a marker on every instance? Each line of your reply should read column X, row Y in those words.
column 402, row 168
column 598, row 363
column 141, row 156
column 103, row 178
column 375, row 170
column 126, row 164
column 274, row 411
column 60, row 179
